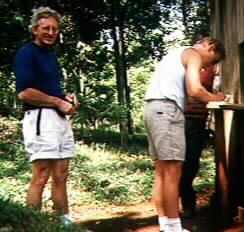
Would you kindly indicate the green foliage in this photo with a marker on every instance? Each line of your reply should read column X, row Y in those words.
column 110, row 137
column 141, row 23
column 206, row 175
column 139, row 77
column 15, row 176
column 118, row 177
column 195, row 16
column 9, row 104
column 17, row 218
column 100, row 173
column 88, row 72
column 86, row 51
column 13, row 161
column 13, row 33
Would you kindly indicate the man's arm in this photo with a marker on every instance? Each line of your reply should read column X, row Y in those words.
column 193, row 64
column 38, row 98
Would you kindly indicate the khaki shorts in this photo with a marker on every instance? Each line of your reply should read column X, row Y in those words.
column 164, row 123
column 49, row 137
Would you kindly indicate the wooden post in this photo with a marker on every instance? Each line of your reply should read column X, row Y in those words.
column 222, row 194
column 229, row 157
column 241, row 214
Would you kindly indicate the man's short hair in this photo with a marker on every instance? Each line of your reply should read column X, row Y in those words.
column 219, row 47
column 43, row 12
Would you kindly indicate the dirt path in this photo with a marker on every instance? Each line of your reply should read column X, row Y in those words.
column 142, row 217
column 139, row 218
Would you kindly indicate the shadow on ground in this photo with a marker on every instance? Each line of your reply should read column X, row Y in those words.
column 204, row 221
column 124, row 223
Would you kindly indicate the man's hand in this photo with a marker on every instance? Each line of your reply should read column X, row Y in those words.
column 71, row 97
column 39, row 98
column 219, row 96
column 66, row 107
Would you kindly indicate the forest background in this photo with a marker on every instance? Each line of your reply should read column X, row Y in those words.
column 107, row 50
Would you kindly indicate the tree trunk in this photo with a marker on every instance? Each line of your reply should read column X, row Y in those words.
column 120, row 77
column 184, row 15
column 127, row 87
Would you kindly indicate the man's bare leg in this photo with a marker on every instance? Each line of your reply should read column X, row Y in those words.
column 166, row 190
column 166, row 187
column 40, row 175
column 158, row 193
column 59, row 189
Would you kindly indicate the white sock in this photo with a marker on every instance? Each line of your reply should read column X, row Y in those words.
column 174, row 225
column 162, row 222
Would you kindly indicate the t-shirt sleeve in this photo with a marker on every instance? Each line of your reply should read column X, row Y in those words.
column 23, row 69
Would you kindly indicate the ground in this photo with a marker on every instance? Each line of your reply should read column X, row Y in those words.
column 141, row 217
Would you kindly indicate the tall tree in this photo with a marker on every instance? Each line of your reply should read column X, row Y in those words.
column 130, row 24
column 102, row 33
column 194, row 15
column 13, row 26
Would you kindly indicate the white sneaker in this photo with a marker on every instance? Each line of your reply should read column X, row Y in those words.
column 183, row 230
column 66, row 220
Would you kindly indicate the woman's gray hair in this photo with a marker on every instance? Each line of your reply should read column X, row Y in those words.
column 43, row 12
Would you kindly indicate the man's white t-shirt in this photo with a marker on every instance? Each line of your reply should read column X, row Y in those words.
column 168, row 81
